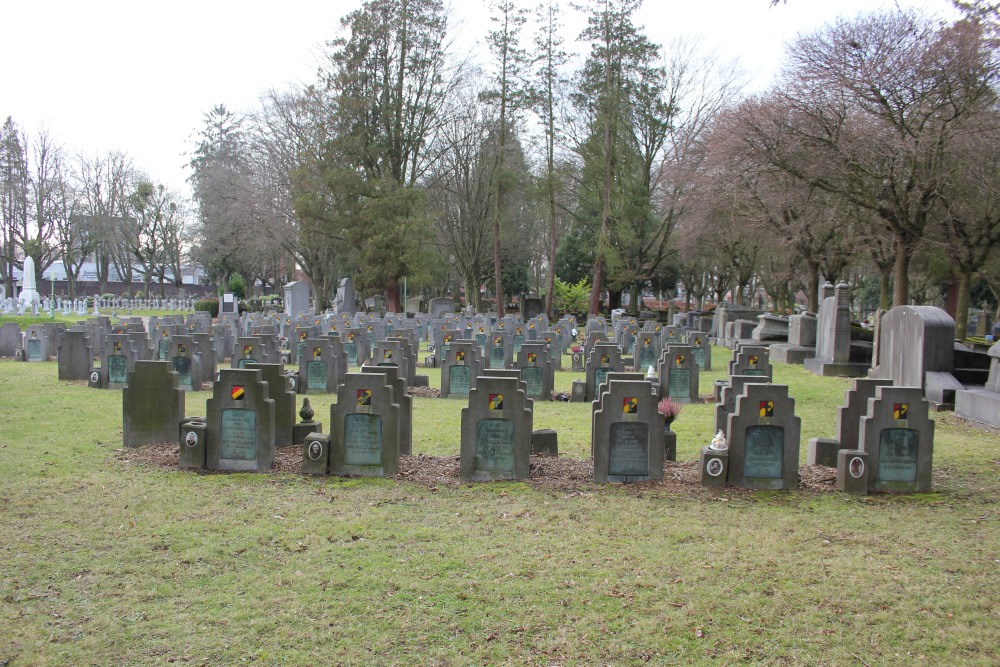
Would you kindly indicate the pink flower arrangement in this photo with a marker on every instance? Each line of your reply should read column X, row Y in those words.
column 669, row 409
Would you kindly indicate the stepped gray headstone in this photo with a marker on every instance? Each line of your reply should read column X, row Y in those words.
column 646, row 350
column 240, row 419
column 801, row 343
column 36, row 343
column 405, row 402
column 898, row 437
column 10, row 338
column 319, row 367
column 627, row 434
column 185, row 362
column 364, row 427
column 283, row 396
column 823, row 451
column 152, row 404
column 461, row 363
column 496, row 431
column 701, row 349
column 678, row 374
column 763, row 435
column 536, row 370
column 604, row 358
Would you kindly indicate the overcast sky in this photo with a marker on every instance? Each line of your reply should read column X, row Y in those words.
column 135, row 76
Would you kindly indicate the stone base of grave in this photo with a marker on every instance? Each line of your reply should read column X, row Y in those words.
column 714, row 467
column 578, row 393
column 301, row 431
column 20, row 354
column 316, row 454
column 669, row 445
column 95, row 379
column 787, row 353
column 545, row 442
column 978, row 405
column 840, row 369
column 941, row 388
column 822, row 452
column 421, row 381
column 430, row 361
column 193, row 434
column 852, row 471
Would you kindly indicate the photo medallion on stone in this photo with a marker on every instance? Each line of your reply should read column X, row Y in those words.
column 856, row 467
column 191, row 439
column 714, row 467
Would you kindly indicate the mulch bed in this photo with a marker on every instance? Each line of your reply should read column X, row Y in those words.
column 557, row 473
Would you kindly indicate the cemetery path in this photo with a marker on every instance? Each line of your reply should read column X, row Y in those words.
column 556, row 473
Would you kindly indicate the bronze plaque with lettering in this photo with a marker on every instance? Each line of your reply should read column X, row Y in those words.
column 238, row 434
column 117, row 369
column 532, row 376
column 34, row 350
column 647, row 357
column 459, row 381
column 362, row 439
column 897, row 455
column 351, row 349
column 182, row 365
column 764, row 451
column 628, row 449
column 316, row 376
column 680, row 383
column 699, row 357
column 495, row 445
column 498, row 359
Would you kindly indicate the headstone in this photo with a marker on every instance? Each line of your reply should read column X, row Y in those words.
column 646, row 350
column 296, row 298
column 833, row 336
column 440, row 307
column 227, row 303
column 461, row 363
column 701, row 349
column 823, row 451
column 10, row 338
column 152, row 404
column 117, row 361
column 496, row 432
column 916, row 348
column 898, row 437
column 401, row 398
column 320, row 367
column 240, row 422
column 185, row 362
column 801, row 343
column 283, row 395
column 763, row 435
column 364, row 427
column 36, row 343
column 678, row 374
column 537, row 370
column 29, row 293
column 604, row 358
column 346, row 301
column 627, row 434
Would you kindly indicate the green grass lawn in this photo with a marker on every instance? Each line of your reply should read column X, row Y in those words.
column 106, row 562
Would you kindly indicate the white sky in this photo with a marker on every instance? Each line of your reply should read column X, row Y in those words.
column 138, row 76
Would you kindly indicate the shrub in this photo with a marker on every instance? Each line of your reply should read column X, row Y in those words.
column 237, row 285
column 669, row 409
column 208, row 305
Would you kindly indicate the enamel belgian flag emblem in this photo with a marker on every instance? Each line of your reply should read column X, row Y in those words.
column 532, row 357
column 630, row 405
column 679, row 360
column 460, row 355
column 767, row 408
column 900, row 410
column 247, row 350
column 496, row 401
column 364, row 396
column 317, row 352
column 238, row 392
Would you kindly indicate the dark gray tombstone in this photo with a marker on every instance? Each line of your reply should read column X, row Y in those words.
column 185, row 362
column 751, row 360
column 283, row 395
column 76, row 356
column 117, row 361
column 726, row 404
column 763, row 435
column 537, row 370
column 10, row 338
column 405, row 402
column 678, row 373
column 496, row 431
column 36, row 343
column 701, row 349
column 627, row 434
column 646, row 350
column 604, row 358
column 296, row 298
column 152, row 404
column 801, row 343
column 898, row 437
column 438, row 308
column 364, row 427
column 250, row 350
column 240, row 420
column 461, row 364
column 319, row 367
column 823, row 451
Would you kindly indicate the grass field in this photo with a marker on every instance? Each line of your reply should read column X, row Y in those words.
column 106, row 562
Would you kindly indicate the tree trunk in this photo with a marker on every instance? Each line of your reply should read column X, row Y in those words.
column 392, row 295
column 812, row 288
column 633, row 299
column 962, row 304
column 595, row 289
column 901, row 273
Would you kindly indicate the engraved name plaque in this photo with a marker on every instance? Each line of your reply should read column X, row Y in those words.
column 459, row 381
column 628, row 449
column 763, row 451
column 316, row 376
column 680, row 383
column 117, row 369
column 362, row 440
column 897, row 455
column 238, row 434
column 495, row 445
